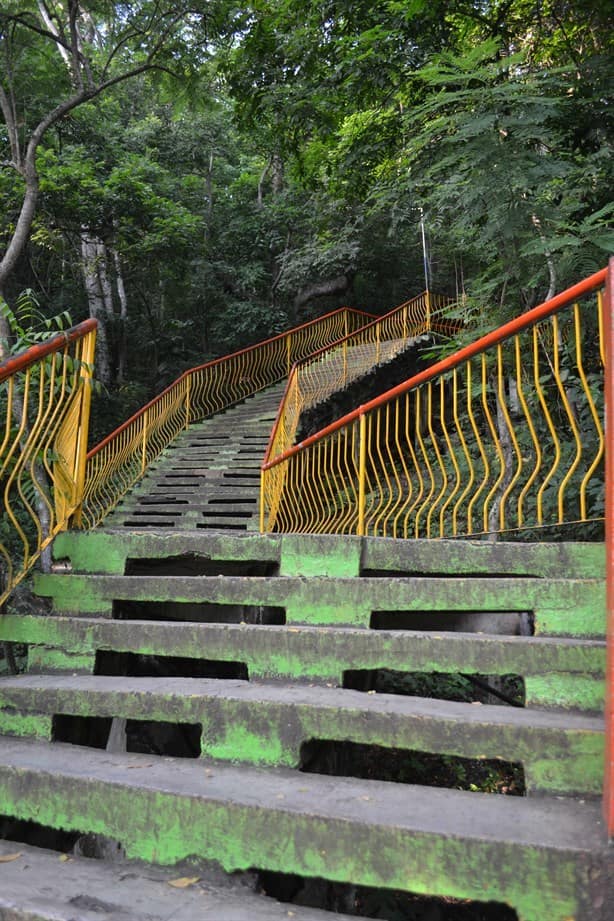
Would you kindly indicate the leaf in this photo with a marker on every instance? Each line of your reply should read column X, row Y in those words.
column 183, row 882
column 7, row 858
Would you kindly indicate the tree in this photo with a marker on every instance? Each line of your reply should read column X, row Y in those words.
column 96, row 47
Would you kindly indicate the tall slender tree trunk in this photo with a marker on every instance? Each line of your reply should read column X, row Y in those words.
column 99, row 299
column 122, row 359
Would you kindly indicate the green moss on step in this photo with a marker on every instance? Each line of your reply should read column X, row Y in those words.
column 46, row 659
column 25, row 724
column 311, row 555
column 165, row 828
column 239, row 743
column 570, row 692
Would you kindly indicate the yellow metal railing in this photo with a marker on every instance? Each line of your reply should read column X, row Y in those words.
column 122, row 458
column 332, row 368
column 506, row 434
column 44, row 401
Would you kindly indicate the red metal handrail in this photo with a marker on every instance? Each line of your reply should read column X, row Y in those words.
column 209, row 364
column 45, row 404
column 35, row 353
column 608, row 794
column 364, row 331
column 513, row 327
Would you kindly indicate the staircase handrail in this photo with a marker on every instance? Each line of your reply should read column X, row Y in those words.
column 428, row 454
column 608, row 335
column 45, row 395
column 314, row 378
column 315, row 512
column 122, row 457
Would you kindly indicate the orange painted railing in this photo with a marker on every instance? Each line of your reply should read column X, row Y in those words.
column 333, row 367
column 122, row 458
column 506, row 434
column 608, row 798
column 45, row 402
column 513, row 433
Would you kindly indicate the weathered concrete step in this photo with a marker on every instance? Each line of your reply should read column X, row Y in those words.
column 213, row 484
column 106, row 550
column 559, row 606
column 331, row 554
column 206, row 503
column 198, row 477
column 366, row 832
column 557, row 672
column 42, row 885
column 570, row 560
column 267, row 724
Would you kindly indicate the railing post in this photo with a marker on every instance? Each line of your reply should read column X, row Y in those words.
column 188, row 406
column 427, row 298
column 345, row 362
column 362, row 472
column 85, row 373
column 377, row 341
column 144, row 442
column 608, row 786
column 405, row 311
column 288, row 354
column 262, row 476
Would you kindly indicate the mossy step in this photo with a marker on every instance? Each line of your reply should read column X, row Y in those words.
column 560, row 606
column 105, row 549
column 557, row 672
column 268, row 723
column 544, row 856
column 458, row 557
column 44, row 885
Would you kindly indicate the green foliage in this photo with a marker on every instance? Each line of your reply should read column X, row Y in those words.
column 284, row 144
column 28, row 324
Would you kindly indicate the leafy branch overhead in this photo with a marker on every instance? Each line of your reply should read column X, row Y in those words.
column 199, row 176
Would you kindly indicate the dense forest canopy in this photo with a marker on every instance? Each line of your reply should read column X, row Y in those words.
column 198, row 176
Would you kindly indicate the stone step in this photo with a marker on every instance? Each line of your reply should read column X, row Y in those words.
column 44, row 885
column 560, row 753
column 106, row 550
column 207, row 502
column 89, row 549
column 558, row 606
column 557, row 672
column 544, row 856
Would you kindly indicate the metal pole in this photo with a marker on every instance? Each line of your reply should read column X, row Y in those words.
column 425, row 260
column 362, row 469
column 608, row 307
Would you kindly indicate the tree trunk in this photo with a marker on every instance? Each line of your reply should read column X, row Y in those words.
column 123, row 316
column 97, row 292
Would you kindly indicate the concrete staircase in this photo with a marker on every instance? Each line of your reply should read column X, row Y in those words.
column 285, row 705
column 209, row 477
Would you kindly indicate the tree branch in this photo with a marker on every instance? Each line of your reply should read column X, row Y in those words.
column 8, row 111
column 22, row 19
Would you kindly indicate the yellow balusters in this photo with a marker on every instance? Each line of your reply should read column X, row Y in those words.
column 122, row 458
column 45, row 400
column 317, row 377
column 505, row 435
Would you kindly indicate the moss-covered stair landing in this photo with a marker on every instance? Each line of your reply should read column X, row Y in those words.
column 345, row 709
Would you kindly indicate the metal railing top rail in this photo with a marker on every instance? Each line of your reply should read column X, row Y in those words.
column 35, row 353
column 608, row 797
column 45, row 400
column 356, row 337
column 217, row 361
column 122, row 458
column 513, row 327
